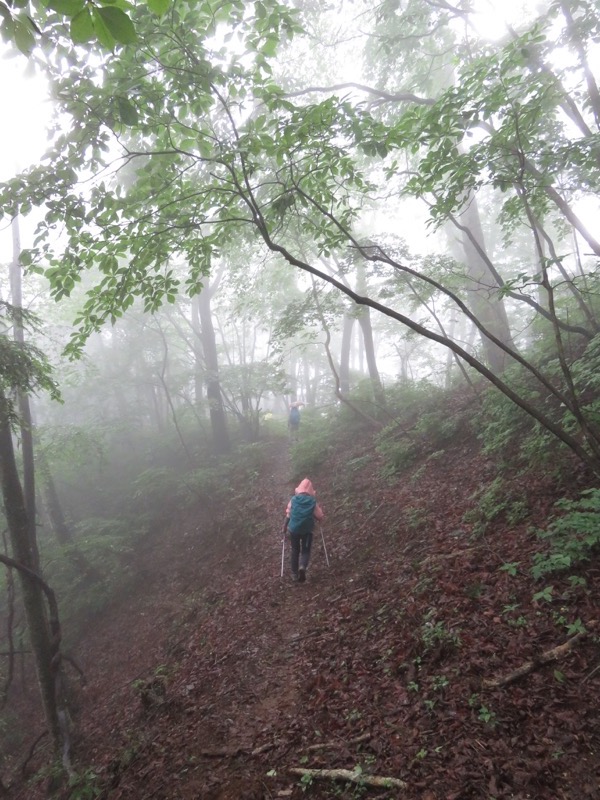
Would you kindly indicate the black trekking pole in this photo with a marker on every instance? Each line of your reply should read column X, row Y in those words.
column 283, row 533
column 323, row 540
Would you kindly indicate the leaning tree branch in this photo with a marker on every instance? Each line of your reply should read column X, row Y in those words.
column 50, row 596
column 396, row 97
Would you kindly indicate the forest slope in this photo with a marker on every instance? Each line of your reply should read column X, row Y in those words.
column 217, row 677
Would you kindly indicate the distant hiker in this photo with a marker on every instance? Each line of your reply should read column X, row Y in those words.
column 300, row 516
column 294, row 418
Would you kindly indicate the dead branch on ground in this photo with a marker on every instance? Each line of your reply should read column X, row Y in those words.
column 327, row 745
column 555, row 654
column 351, row 776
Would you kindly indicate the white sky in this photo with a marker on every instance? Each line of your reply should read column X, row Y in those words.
column 26, row 112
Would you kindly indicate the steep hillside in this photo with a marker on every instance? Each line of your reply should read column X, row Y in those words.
column 218, row 679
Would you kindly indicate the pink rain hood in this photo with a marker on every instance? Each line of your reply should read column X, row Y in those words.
column 305, row 487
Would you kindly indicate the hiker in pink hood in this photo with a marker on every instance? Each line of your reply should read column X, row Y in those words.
column 300, row 515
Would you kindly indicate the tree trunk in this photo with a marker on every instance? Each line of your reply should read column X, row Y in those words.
column 345, row 354
column 54, row 507
column 43, row 648
column 218, row 421
column 484, row 301
column 23, row 399
column 364, row 320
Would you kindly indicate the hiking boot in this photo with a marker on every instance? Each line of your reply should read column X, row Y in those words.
column 301, row 574
column 295, row 576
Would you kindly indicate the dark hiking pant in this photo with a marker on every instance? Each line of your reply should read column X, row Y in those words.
column 301, row 544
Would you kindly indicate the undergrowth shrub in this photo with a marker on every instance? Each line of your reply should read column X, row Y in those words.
column 573, row 537
column 248, row 458
column 586, row 373
column 424, row 424
column 316, row 441
column 201, row 484
column 86, row 573
column 362, row 398
column 492, row 501
column 153, row 487
column 398, row 455
column 508, row 431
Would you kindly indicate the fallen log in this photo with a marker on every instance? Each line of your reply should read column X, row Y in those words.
column 554, row 654
column 352, row 776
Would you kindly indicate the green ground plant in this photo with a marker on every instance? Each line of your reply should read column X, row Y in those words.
column 508, row 433
column 434, row 632
column 492, row 501
column 416, row 518
column 572, row 537
column 85, row 786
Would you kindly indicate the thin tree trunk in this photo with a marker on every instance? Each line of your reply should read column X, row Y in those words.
column 364, row 320
column 33, row 600
column 338, row 392
column 345, row 353
column 23, row 399
column 484, row 301
column 592, row 86
column 169, row 399
column 214, row 397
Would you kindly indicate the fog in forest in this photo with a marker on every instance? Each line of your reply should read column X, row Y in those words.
column 212, row 212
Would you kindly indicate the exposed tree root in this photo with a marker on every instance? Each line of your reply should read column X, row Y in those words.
column 555, row 654
column 351, row 776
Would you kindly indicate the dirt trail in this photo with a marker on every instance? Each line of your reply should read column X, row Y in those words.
column 237, row 672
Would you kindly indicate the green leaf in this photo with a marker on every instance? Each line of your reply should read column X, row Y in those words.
column 25, row 258
column 68, row 7
column 158, row 7
column 101, row 30
column 205, row 147
column 23, row 37
column 127, row 111
column 82, row 27
column 269, row 48
column 118, row 24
